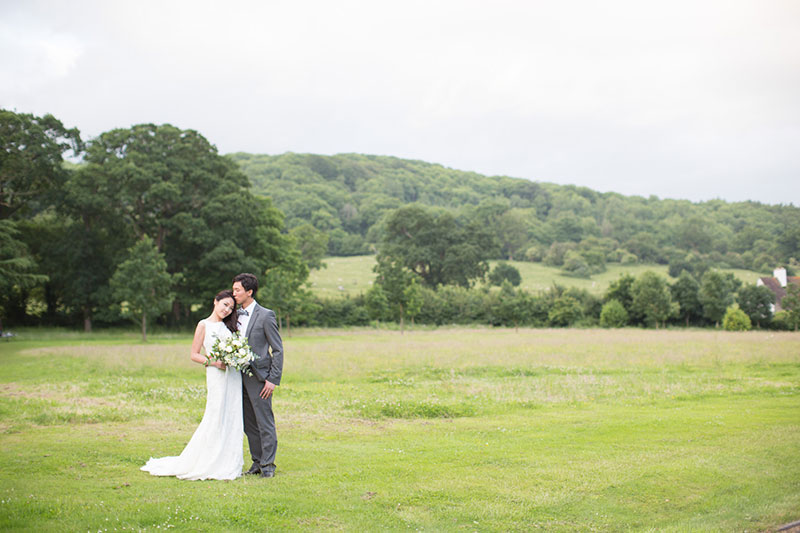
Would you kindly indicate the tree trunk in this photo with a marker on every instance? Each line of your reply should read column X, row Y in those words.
column 176, row 311
column 288, row 326
column 52, row 302
column 144, row 327
column 87, row 319
column 402, row 320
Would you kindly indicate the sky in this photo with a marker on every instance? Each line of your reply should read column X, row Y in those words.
column 693, row 100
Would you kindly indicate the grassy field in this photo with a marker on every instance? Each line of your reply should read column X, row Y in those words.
column 437, row 430
column 350, row 276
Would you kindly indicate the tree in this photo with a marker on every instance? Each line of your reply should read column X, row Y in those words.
column 716, row 294
column 613, row 315
column 652, row 299
column 17, row 268
column 685, row 291
column 566, row 310
column 620, row 290
column 736, row 320
column 414, row 299
column 173, row 186
column 511, row 305
column 791, row 305
column 31, row 170
column 312, row 243
column 437, row 247
column 502, row 271
column 377, row 303
column 142, row 284
column 756, row 302
column 395, row 281
column 281, row 289
column 575, row 265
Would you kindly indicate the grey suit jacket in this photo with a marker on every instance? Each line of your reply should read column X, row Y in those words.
column 265, row 341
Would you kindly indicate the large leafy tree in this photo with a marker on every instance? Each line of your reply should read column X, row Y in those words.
column 313, row 244
column 716, row 294
column 17, row 267
column 31, row 176
column 685, row 291
column 620, row 290
column 173, row 186
column 438, row 248
column 31, row 169
column 756, row 302
column 652, row 299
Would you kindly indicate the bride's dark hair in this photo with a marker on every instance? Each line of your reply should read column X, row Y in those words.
column 232, row 320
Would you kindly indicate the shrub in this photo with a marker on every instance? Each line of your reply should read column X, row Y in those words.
column 736, row 320
column 565, row 311
column 575, row 265
column 502, row 272
column 613, row 315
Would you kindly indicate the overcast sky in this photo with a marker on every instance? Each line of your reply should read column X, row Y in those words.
column 680, row 99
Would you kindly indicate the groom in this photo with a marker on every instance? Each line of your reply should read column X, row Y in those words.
column 258, row 324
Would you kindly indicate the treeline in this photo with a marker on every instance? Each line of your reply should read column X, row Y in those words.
column 151, row 225
column 718, row 300
column 347, row 197
column 152, row 222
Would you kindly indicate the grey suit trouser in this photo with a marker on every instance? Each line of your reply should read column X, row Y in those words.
column 259, row 422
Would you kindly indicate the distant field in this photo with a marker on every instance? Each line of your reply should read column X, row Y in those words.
column 350, row 276
column 452, row 429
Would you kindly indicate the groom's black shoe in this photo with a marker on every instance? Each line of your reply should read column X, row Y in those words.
column 268, row 471
column 255, row 469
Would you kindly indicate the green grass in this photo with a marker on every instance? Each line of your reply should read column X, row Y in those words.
column 350, row 276
column 452, row 429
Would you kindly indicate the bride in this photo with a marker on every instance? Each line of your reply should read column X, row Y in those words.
column 215, row 449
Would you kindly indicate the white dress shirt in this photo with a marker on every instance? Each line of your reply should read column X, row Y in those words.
column 244, row 320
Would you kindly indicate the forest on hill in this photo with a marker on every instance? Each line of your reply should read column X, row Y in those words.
column 348, row 196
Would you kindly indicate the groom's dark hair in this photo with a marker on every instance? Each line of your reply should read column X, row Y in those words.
column 249, row 282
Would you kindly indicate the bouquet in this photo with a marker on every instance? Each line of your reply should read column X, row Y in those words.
column 234, row 352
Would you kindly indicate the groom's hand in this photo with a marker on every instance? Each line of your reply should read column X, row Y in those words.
column 266, row 392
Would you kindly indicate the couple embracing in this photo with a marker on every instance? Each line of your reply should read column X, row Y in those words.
column 236, row 401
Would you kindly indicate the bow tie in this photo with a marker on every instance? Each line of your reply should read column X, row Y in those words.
column 243, row 312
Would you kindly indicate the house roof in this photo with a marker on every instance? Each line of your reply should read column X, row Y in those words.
column 775, row 286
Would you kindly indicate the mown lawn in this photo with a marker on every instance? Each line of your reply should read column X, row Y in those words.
column 350, row 276
column 439, row 430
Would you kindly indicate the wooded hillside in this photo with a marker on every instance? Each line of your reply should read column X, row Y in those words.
column 347, row 196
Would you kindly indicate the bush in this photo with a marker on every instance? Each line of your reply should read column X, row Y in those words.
column 565, row 311
column 502, row 272
column 781, row 321
column 576, row 266
column 535, row 254
column 613, row 315
column 736, row 320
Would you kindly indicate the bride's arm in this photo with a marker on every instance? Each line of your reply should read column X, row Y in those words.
column 197, row 343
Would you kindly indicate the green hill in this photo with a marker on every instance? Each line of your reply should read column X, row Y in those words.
column 347, row 196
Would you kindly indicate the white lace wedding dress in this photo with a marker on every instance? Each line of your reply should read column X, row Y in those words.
column 215, row 449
